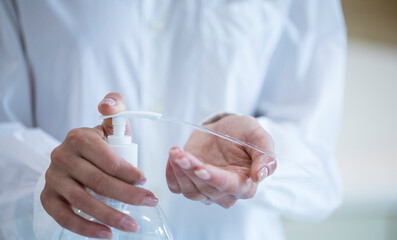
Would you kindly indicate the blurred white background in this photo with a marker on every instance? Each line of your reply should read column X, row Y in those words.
column 367, row 148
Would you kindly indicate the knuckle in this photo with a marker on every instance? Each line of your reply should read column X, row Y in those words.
column 136, row 195
column 249, row 118
column 48, row 175
column 220, row 182
column 98, row 183
column 112, row 166
column 76, row 200
column 44, row 198
column 226, row 206
column 173, row 185
column 169, row 174
column 250, row 194
column 228, row 203
column 257, row 133
column 112, row 218
column 63, row 219
column 196, row 196
column 59, row 157
column 174, row 189
column 231, row 204
column 56, row 154
column 210, row 191
column 73, row 134
column 51, row 178
column 232, row 188
column 78, row 136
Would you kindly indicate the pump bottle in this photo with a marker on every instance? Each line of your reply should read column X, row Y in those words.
column 151, row 220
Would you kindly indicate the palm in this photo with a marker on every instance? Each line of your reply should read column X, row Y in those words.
column 220, row 152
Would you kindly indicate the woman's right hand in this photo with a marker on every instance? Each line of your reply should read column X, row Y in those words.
column 84, row 159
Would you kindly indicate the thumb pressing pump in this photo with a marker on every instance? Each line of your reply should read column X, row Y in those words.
column 151, row 220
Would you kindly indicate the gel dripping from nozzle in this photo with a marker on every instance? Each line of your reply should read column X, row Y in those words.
column 218, row 134
column 119, row 120
column 157, row 116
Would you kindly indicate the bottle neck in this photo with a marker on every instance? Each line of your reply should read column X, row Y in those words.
column 119, row 140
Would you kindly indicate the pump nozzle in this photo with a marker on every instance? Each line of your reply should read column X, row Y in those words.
column 133, row 114
column 119, row 122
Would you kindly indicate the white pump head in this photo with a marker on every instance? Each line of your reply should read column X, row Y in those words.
column 119, row 137
column 119, row 122
column 122, row 143
column 119, row 126
column 134, row 114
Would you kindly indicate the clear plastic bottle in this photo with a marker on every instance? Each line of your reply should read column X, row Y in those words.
column 151, row 221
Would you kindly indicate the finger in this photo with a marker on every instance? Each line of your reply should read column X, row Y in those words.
column 82, row 200
column 223, row 180
column 237, row 185
column 226, row 201
column 88, row 143
column 189, row 167
column 111, row 104
column 188, row 189
column 172, row 182
column 64, row 216
column 92, row 177
column 263, row 164
column 262, row 167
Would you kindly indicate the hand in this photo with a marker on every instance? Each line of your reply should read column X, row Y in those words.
column 85, row 160
column 211, row 169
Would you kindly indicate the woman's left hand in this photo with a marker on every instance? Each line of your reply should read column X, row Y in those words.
column 214, row 170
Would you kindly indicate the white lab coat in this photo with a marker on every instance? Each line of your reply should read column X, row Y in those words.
column 281, row 61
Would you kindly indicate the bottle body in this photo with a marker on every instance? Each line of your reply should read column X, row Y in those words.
column 151, row 221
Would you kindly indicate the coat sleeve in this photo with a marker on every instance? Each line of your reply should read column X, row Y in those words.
column 16, row 82
column 24, row 150
column 300, row 106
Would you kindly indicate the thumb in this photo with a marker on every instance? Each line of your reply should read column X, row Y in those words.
column 112, row 103
column 263, row 164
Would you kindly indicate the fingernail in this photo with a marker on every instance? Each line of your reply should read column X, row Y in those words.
column 263, row 173
column 109, row 101
column 128, row 225
column 203, row 174
column 175, row 150
column 272, row 162
column 141, row 181
column 104, row 234
column 206, row 202
column 150, row 201
column 183, row 162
